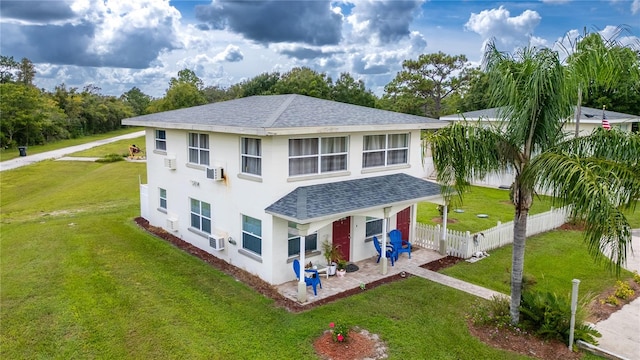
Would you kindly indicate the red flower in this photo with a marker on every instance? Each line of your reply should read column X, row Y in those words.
column 340, row 337
column 331, row 325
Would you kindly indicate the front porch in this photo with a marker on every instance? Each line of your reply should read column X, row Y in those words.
column 368, row 272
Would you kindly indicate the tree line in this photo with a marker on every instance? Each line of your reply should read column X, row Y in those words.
column 432, row 85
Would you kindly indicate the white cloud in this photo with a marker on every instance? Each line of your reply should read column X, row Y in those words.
column 508, row 31
column 635, row 7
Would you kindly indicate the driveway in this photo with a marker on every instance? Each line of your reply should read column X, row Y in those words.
column 56, row 154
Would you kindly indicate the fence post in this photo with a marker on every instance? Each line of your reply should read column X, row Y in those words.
column 443, row 238
column 467, row 249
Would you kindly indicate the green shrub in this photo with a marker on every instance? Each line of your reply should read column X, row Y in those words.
column 548, row 316
column 623, row 290
column 611, row 299
column 109, row 158
column 636, row 277
column 495, row 312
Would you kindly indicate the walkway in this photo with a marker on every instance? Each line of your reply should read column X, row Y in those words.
column 369, row 271
column 56, row 154
column 621, row 331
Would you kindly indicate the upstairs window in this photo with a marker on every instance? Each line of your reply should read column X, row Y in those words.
column 317, row 155
column 385, row 150
column 199, row 148
column 161, row 140
column 251, row 156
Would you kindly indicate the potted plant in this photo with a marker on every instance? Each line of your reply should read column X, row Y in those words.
column 332, row 255
column 342, row 268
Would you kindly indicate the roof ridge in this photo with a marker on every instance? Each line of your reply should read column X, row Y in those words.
column 285, row 104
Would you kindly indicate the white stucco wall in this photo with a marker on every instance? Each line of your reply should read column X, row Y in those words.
column 249, row 195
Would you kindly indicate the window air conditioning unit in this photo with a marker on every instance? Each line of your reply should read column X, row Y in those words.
column 216, row 242
column 172, row 224
column 170, row 163
column 216, row 173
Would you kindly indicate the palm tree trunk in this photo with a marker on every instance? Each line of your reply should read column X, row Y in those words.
column 517, row 263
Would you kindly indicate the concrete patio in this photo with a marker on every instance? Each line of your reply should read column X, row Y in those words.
column 369, row 271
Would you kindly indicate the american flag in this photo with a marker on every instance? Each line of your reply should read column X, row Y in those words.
column 605, row 122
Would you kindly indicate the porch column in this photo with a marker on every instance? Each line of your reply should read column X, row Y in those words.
column 383, row 246
column 302, row 287
column 443, row 236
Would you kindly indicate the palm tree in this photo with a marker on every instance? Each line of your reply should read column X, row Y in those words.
column 597, row 174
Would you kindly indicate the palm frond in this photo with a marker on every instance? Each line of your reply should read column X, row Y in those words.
column 598, row 190
column 464, row 151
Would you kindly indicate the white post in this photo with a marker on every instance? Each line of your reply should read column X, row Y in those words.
column 443, row 236
column 574, row 307
column 302, row 286
column 383, row 246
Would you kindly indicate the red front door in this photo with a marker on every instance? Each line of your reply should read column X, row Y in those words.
column 403, row 222
column 342, row 236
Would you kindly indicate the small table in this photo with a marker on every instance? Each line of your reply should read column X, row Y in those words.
column 322, row 269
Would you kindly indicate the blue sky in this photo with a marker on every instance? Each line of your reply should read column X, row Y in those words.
column 119, row 44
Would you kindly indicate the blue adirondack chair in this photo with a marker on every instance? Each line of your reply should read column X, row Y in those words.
column 390, row 254
column 399, row 245
column 312, row 281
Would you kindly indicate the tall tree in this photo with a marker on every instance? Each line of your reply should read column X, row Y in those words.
column 259, row 85
column 603, row 64
column 7, row 67
column 138, row 100
column 28, row 117
column 187, row 76
column 304, row 81
column 427, row 81
column 597, row 175
column 26, row 72
column 347, row 90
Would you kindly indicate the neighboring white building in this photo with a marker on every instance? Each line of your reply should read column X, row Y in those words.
column 247, row 179
column 589, row 120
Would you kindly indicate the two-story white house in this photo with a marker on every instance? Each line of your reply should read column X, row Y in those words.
column 254, row 180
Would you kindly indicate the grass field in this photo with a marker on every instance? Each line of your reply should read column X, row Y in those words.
column 80, row 280
column 8, row 154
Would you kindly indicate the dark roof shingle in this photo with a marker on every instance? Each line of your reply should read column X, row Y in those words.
column 307, row 203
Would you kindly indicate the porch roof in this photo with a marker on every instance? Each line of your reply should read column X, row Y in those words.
column 318, row 202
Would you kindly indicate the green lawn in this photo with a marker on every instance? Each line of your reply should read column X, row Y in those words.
column 479, row 200
column 80, row 280
column 8, row 154
column 552, row 259
column 120, row 147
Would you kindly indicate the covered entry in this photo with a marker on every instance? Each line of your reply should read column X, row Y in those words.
column 315, row 206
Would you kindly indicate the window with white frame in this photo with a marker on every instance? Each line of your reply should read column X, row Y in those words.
column 373, row 228
column 252, row 234
column 199, row 148
column 385, row 150
column 317, row 155
column 201, row 215
column 251, row 150
column 310, row 241
column 161, row 140
column 163, row 198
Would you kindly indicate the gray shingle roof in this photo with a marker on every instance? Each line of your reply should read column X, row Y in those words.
column 270, row 113
column 314, row 202
column 586, row 115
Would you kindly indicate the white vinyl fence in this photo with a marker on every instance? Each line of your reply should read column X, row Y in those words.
column 464, row 244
